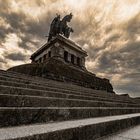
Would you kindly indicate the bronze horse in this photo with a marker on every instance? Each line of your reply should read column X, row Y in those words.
column 60, row 26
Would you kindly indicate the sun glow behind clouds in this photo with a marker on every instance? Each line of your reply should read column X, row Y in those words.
column 126, row 10
column 11, row 43
column 76, row 4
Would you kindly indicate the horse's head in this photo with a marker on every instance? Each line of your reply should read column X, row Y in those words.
column 58, row 16
column 70, row 17
column 67, row 18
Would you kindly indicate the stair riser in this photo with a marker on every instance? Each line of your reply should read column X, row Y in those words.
column 27, row 84
column 89, row 132
column 18, row 91
column 38, row 87
column 30, row 101
column 64, row 87
column 47, row 82
column 13, row 117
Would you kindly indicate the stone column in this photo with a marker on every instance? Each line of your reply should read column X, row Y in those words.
column 69, row 57
column 61, row 52
column 75, row 60
column 83, row 62
column 55, row 49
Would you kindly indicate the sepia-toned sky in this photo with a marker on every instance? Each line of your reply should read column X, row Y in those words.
column 109, row 30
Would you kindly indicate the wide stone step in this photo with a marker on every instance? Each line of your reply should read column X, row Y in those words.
column 41, row 87
column 51, row 92
column 42, row 81
column 11, row 116
column 85, row 129
column 131, row 133
column 58, row 90
column 51, row 83
column 8, row 100
column 19, row 76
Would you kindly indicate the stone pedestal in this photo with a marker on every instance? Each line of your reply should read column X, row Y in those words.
column 63, row 49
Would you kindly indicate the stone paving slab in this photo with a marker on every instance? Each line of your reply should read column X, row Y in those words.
column 132, row 133
column 31, row 130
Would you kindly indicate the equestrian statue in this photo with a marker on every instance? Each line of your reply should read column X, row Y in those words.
column 59, row 26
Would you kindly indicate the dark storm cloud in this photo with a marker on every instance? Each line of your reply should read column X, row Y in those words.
column 126, row 64
column 112, row 38
column 131, row 46
column 16, row 20
column 109, row 29
column 133, row 26
column 127, row 58
column 123, row 61
column 131, row 86
column 1, row 60
column 19, row 24
column 24, row 26
column 131, row 56
column 16, row 56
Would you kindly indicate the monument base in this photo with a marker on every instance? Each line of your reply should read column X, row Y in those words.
column 58, row 70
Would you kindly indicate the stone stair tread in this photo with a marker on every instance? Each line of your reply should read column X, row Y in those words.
column 106, row 108
column 67, row 94
column 47, row 101
column 15, row 116
column 49, row 81
column 35, row 85
column 91, row 90
column 132, row 133
column 35, row 129
column 55, row 83
column 83, row 107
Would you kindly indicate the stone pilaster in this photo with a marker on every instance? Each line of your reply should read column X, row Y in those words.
column 83, row 62
column 69, row 57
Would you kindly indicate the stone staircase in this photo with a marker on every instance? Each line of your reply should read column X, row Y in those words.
column 45, row 109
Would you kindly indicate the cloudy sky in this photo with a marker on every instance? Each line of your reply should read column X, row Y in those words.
column 109, row 30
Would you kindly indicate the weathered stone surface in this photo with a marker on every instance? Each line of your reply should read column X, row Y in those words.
column 7, row 100
column 57, row 70
column 27, row 100
column 19, row 116
column 64, row 94
column 88, row 129
column 26, row 85
column 132, row 133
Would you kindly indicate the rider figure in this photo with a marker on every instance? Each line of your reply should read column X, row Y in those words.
column 54, row 27
column 61, row 27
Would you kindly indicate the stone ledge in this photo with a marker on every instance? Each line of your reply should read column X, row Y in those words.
column 7, row 100
column 13, row 116
column 85, row 129
column 57, row 70
column 132, row 133
column 62, row 93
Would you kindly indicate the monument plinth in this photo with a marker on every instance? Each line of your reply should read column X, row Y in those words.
column 63, row 49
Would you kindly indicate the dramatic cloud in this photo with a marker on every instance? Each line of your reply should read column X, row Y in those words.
column 16, row 56
column 108, row 30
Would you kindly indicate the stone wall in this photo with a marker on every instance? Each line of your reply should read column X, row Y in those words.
column 58, row 49
column 58, row 70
